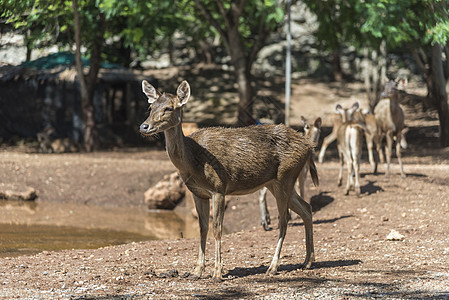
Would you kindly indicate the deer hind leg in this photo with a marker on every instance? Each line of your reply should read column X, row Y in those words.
column 218, row 207
column 350, row 180
column 356, row 168
column 326, row 142
column 264, row 213
column 370, row 145
column 301, row 180
column 340, row 172
column 388, row 149
column 399, row 155
column 304, row 210
column 202, row 208
column 281, row 194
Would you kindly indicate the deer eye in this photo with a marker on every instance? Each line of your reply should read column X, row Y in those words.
column 169, row 109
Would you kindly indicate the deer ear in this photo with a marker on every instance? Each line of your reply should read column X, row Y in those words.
column 338, row 108
column 356, row 106
column 183, row 93
column 150, row 91
column 303, row 121
column 317, row 123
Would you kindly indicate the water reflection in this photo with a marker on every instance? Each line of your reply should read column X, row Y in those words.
column 29, row 227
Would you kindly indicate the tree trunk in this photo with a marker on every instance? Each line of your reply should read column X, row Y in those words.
column 336, row 66
column 440, row 94
column 28, row 46
column 88, row 83
column 245, row 108
column 243, row 74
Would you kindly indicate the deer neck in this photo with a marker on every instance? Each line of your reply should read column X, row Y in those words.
column 174, row 142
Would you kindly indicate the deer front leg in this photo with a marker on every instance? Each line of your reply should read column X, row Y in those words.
column 218, row 202
column 202, row 208
column 370, row 145
column 380, row 152
column 326, row 142
column 282, row 204
column 304, row 210
column 264, row 213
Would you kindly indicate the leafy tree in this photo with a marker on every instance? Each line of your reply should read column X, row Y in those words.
column 419, row 25
column 422, row 26
column 139, row 24
column 243, row 27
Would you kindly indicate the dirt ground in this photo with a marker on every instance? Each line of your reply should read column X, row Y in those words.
column 354, row 256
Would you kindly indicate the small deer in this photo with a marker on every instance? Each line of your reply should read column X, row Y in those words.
column 215, row 162
column 370, row 135
column 312, row 132
column 390, row 123
column 349, row 144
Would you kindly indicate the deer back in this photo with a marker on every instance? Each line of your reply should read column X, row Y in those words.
column 239, row 160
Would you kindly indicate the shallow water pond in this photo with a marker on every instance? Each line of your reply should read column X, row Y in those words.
column 28, row 227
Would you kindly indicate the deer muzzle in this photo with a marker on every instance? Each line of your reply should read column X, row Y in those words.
column 146, row 129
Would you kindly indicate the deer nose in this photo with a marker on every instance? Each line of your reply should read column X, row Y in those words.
column 144, row 127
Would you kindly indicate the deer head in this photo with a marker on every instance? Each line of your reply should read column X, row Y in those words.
column 347, row 114
column 392, row 86
column 313, row 132
column 165, row 108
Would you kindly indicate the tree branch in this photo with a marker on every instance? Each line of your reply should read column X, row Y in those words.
column 420, row 61
column 237, row 10
column 263, row 34
column 206, row 13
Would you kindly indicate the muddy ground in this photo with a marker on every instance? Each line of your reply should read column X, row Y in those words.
column 354, row 257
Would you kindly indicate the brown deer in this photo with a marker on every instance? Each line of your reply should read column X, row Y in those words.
column 214, row 162
column 349, row 144
column 390, row 123
column 312, row 132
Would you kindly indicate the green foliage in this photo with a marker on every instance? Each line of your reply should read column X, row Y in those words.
column 366, row 23
column 141, row 25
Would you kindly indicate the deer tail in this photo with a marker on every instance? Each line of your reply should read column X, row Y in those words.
column 313, row 171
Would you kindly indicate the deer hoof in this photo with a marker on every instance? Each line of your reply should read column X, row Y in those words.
column 307, row 264
column 272, row 270
column 266, row 227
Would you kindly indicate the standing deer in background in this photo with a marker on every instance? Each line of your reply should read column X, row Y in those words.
column 370, row 135
column 312, row 132
column 390, row 123
column 349, row 144
column 214, row 162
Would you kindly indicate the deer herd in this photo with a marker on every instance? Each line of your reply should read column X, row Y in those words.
column 215, row 162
